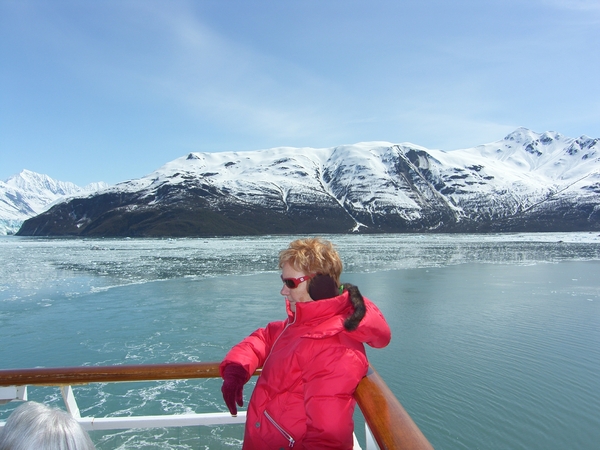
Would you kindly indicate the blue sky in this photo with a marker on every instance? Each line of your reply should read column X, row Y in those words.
column 112, row 90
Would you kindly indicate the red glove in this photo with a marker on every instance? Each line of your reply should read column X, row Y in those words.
column 234, row 378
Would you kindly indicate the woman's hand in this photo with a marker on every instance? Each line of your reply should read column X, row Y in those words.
column 234, row 378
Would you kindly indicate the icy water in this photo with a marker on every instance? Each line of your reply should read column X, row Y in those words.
column 496, row 338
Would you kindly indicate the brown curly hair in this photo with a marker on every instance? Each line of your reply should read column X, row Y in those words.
column 313, row 255
column 318, row 256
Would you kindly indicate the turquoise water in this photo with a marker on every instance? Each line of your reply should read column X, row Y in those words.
column 496, row 338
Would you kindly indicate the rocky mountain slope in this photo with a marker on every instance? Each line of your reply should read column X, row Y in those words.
column 525, row 182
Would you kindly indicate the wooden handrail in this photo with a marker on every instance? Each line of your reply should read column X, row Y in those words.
column 107, row 374
column 390, row 424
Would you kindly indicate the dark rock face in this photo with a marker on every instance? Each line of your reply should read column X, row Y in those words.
column 188, row 213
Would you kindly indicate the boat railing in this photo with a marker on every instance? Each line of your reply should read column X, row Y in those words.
column 388, row 425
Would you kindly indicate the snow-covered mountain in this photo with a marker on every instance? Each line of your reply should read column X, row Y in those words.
column 27, row 194
column 525, row 182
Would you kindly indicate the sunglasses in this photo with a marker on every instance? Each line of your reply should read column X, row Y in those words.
column 293, row 283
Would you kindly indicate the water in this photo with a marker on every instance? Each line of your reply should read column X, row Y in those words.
column 496, row 338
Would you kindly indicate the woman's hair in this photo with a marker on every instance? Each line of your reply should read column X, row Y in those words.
column 35, row 426
column 317, row 256
column 358, row 302
column 313, row 255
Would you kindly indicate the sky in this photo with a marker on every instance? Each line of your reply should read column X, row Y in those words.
column 112, row 90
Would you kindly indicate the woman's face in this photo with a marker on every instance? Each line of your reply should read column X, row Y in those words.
column 298, row 294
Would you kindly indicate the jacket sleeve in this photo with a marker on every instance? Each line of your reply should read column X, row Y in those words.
column 252, row 352
column 376, row 330
column 330, row 380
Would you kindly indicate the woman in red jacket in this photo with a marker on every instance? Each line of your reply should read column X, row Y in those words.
column 311, row 362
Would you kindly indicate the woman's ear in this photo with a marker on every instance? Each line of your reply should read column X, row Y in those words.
column 322, row 286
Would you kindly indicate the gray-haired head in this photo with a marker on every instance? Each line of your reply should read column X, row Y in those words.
column 34, row 426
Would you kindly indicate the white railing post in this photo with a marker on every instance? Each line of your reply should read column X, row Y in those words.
column 10, row 393
column 371, row 444
column 70, row 402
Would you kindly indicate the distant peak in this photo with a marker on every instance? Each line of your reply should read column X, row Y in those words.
column 525, row 136
column 521, row 135
column 26, row 177
column 28, row 174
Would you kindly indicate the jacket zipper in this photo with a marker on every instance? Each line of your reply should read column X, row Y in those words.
column 285, row 434
column 274, row 343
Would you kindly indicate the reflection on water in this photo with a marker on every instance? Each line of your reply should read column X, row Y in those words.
column 495, row 343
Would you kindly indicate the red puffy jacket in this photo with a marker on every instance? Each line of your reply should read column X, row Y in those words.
column 311, row 367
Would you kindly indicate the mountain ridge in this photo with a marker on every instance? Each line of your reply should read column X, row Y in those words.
column 524, row 182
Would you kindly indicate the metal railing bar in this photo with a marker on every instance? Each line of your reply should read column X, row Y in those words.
column 161, row 421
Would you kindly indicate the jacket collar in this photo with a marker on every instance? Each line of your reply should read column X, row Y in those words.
column 324, row 317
